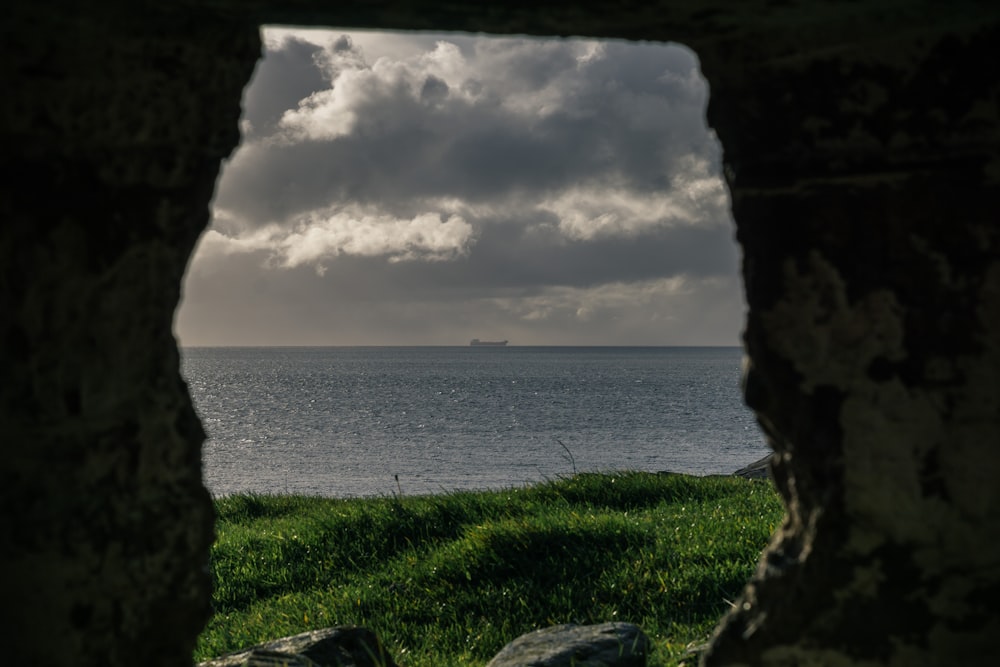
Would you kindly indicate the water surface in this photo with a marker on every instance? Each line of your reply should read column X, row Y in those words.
column 344, row 421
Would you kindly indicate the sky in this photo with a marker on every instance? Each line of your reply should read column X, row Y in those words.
column 427, row 189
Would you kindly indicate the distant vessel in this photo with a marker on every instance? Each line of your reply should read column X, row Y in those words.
column 475, row 342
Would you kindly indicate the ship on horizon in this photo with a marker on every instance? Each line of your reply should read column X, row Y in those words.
column 475, row 342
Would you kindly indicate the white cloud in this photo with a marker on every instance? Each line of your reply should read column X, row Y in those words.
column 326, row 235
column 697, row 197
column 427, row 236
column 324, row 115
column 356, row 85
column 214, row 244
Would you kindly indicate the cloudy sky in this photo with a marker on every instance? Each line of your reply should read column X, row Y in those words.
column 421, row 189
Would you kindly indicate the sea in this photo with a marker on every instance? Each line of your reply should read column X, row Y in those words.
column 381, row 421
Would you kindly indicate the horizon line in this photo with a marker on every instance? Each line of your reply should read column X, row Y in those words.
column 462, row 345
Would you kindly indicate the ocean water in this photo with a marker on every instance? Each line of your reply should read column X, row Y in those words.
column 346, row 421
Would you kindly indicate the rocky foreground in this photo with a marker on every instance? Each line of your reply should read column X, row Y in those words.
column 606, row 644
column 760, row 469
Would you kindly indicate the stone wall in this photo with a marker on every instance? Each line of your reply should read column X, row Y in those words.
column 861, row 145
column 865, row 185
column 114, row 123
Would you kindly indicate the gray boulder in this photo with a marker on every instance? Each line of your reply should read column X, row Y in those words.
column 347, row 646
column 760, row 469
column 604, row 645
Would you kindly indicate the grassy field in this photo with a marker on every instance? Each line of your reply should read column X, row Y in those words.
column 447, row 580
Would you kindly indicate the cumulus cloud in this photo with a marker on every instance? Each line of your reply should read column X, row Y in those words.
column 290, row 73
column 425, row 237
column 697, row 197
column 462, row 168
column 496, row 120
column 326, row 235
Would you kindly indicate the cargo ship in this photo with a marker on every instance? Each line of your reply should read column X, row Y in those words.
column 475, row 342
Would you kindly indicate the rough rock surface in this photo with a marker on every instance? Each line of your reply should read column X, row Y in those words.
column 759, row 469
column 603, row 645
column 329, row 647
column 862, row 151
column 113, row 130
column 865, row 182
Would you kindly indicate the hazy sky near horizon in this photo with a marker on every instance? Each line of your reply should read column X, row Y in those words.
column 426, row 189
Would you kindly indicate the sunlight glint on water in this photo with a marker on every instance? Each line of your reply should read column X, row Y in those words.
column 344, row 421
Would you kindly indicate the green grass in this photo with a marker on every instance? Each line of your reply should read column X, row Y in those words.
column 448, row 580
